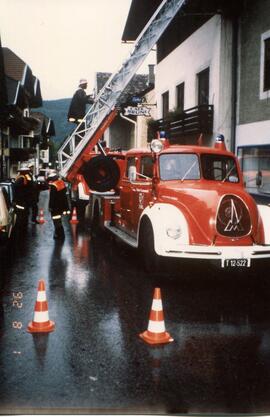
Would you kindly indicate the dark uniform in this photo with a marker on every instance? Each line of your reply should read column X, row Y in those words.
column 35, row 198
column 58, row 204
column 77, row 108
column 23, row 195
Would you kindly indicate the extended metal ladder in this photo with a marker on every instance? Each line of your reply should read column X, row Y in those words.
column 102, row 112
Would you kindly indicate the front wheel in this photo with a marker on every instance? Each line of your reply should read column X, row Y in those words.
column 151, row 261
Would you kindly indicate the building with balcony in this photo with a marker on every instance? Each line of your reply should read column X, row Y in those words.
column 213, row 76
column 21, row 131
column 194, row 70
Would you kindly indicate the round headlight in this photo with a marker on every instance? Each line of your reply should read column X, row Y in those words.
column 174, row 232
column 156, row 145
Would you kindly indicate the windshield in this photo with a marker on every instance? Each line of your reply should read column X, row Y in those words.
column 219, row 168
column 179, row 166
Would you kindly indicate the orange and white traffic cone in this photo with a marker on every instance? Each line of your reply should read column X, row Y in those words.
column 156, row 333
column 41, row 219
column 74, row 219
column 41, row 322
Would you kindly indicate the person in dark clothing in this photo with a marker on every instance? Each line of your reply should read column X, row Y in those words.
column 58, row 203
column 80, row 99
column 35, row 195
column 23, row 194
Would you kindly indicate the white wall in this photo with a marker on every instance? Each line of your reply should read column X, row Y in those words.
column 253, row 133
column 142, row 121
column 209, row 46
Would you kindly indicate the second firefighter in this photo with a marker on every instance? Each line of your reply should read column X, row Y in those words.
column 58, row 203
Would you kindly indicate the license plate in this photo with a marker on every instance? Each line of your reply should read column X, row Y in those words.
column 237, row 263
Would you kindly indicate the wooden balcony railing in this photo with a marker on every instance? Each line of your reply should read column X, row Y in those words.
column 195, row 120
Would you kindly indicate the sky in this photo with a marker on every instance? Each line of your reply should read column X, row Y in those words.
column 65, row 40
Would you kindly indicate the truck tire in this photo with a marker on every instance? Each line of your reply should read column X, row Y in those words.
column 151, row 261
column 101, row 173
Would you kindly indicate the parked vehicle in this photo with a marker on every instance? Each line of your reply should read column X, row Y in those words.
column 7, row 212
column 183, row 201
column 8, row 185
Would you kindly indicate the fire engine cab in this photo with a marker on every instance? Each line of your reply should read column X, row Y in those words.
column 184, row 201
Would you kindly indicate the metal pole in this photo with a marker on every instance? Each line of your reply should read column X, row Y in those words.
column 135, row 128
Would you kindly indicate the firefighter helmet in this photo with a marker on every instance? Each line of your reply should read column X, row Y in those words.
column 52, row 174
column 23, row 168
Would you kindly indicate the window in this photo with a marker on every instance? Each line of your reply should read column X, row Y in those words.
column 180, row 92
column 219, row 168
column 203, row 87
column 265, row 66
column 266, row 75
column 165, row 104
column 255, row 165
column 131, row 164
column 184, row 166
column 147, row 166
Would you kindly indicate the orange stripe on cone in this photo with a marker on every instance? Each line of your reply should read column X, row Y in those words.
column 74, row 219
column 156, row 333
column 41, row 322
column 41, row 219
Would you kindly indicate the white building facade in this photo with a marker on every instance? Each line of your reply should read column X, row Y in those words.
column 207, row 49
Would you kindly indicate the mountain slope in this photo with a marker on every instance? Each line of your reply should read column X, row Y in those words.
column 57, row 110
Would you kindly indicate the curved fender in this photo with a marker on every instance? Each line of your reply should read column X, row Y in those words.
column 163, row 217
column 265, row 216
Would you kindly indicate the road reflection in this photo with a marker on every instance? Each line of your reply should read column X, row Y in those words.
column 100, row 299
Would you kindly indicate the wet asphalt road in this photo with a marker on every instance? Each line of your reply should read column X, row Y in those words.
column 100, row 299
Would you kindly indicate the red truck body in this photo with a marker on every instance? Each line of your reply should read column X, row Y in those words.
column 184, row 202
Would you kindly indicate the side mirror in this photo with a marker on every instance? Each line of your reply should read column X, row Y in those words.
column 259, row 179
column 132, row 173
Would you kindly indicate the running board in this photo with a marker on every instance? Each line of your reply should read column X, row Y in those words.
column 131, row 241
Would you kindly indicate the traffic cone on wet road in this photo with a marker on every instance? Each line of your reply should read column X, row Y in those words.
column 156, row 333
column 41, row 322
column 74, row 219
column 41, row 219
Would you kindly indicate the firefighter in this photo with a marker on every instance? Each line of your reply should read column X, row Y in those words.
column 58, row 203
column 78, row 103
column 23, row 194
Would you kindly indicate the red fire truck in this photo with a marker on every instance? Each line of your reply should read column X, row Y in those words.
column 169, row 201
column 181, row 201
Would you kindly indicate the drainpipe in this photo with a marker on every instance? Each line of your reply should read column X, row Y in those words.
column 234, row 82
column 135, row 127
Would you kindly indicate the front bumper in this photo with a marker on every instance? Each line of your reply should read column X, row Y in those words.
column 222, row 253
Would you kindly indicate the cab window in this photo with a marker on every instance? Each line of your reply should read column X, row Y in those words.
column 182, row 166
column 131, row 162
column 131, row 169
column 146, row 168
column 219, row 168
